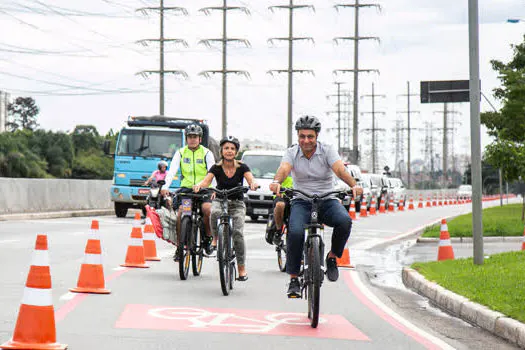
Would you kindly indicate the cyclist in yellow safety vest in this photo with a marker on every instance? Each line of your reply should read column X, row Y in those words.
column 194, row 160
column 279, row 206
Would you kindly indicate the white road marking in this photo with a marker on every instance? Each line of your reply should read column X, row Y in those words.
column 119, row 268
column 67, row 296
column 9, row 241
column 371, row 296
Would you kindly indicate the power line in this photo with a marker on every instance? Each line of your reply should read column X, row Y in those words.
column 374, row 129
column 356, row 70
column 161, row 40
column 290, row 71
column 224, row 41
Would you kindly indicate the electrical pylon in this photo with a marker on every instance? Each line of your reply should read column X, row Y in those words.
column 224, row 41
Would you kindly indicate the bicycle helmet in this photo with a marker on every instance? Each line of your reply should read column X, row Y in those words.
column 309, row 123
column 162, row 163
column 193, row 129
column 231, row 139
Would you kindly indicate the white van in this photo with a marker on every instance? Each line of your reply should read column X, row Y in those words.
column 263, row 165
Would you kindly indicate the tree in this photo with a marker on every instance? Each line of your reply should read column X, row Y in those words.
column 85, row 137
column 508, row 124
column 23, row 113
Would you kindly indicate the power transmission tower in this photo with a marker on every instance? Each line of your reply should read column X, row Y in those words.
column 339, row 112
column 409, row 129
column 374, row 130
column 4, row 101
column 445, row 129
column 224, row 41
column 356, row 38
column 399, row 147
column 429, row 146
column 161, row 40
column 290, row 71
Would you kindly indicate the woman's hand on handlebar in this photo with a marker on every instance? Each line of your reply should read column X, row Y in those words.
column 196, row 188
column 165, row 193
column 254, row 186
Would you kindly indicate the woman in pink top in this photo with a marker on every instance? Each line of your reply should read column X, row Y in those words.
column 159, row 174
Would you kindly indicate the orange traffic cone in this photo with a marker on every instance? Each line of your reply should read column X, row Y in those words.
column 420, row 202
column 135, row 254
column 429, row 203
column 401, row 205
column 445, row 251
column 382, row 208
column 363, row 212
column 445, row 201
column 391, row 205
column 411, row 203
column 434, row 201
column 373, row 207
column 150, row 247
column 440, row 200
column 35, row 326
column 351, row 211
column 344, row 260
column 91, row 277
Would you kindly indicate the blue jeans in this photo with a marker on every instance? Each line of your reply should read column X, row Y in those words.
column 331, row 213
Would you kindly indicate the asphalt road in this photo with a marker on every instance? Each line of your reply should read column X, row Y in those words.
column 368, row 308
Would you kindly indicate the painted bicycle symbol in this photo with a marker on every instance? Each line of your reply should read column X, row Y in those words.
column 200, row 318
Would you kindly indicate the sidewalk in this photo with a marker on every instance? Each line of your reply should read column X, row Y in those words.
column 458, row 306
column 56, row 214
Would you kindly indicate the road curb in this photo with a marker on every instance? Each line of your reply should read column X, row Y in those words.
column 56, row 214
column 424, row 240
column 461, row 307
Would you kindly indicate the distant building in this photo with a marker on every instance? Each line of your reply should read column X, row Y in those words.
column 4, row 101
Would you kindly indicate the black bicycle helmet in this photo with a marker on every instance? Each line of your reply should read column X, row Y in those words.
column 193, row 129
column 231, row 139
column 308, row 123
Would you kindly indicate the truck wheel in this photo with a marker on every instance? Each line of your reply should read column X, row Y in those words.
column 121, row 210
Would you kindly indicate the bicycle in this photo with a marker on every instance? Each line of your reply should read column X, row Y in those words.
column 225, row 253
column 312, row 271
column 193, row 234
column 280, row 245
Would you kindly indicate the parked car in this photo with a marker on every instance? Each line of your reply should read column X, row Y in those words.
column 263, row 165
column 396, row 190
column 464, row 191
column 340, row 185
column 367, row 190
column 378, row 187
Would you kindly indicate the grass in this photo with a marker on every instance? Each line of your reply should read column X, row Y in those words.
column 497, row 221
column 498, row 284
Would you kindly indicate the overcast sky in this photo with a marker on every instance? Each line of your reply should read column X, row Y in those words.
column 79, row 61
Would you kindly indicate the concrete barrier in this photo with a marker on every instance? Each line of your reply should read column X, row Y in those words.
column 45, row 195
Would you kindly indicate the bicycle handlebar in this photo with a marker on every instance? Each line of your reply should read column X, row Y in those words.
column 227, row 193
column 292, row 191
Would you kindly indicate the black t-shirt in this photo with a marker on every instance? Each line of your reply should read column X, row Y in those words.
column 224, row 182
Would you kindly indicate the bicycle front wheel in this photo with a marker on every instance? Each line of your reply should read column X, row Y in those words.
column 282, row 250
column 197, row 255
column 223, row 257
column 314, row 281
column 185, row 247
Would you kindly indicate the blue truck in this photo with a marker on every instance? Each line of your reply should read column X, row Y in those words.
column 141, row 144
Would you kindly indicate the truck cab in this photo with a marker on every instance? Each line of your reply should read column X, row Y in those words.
column 141, row 144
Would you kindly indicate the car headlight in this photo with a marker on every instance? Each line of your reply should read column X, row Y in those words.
column 154, row 192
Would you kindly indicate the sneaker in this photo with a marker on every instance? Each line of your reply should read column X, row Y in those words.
column 208, row 247
column 294, row 288
column 331, row 269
